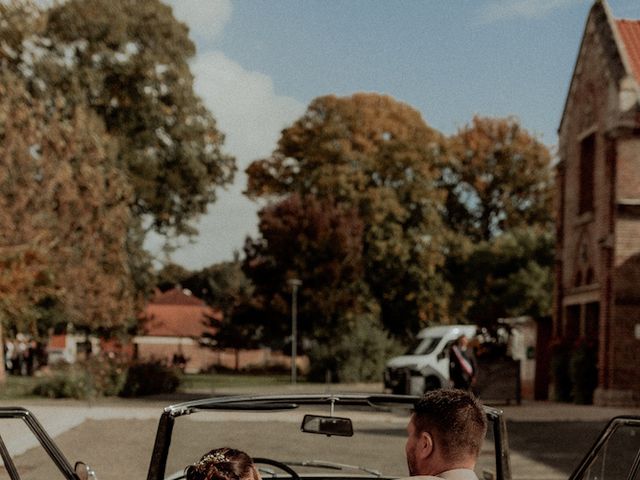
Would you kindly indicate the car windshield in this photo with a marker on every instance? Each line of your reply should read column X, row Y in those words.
column 376, row 449
column 423, row 346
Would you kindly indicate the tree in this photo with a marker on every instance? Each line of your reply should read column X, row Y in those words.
column 319, row 243
column 65, row 206
column 508, row 276
column 500, row 178
column 128, row 60
column 376, row 155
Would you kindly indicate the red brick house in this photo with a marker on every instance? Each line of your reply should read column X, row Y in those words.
column 173, row 325
column 597, row 288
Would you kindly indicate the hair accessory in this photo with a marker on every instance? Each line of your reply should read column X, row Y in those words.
column 213, row 457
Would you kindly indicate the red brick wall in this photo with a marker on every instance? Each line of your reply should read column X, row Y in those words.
column 202, row 358
column 606, row 240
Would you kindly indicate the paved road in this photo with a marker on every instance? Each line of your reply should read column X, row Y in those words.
column 116, row 437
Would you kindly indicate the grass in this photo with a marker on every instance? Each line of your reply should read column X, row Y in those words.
column 207, row 382
column 16, row 387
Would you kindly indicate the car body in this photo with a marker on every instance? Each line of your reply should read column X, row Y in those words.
column 426, row 364
column 318, row 437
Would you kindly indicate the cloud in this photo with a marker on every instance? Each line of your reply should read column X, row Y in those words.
column 245, row 104
column 500, row 10
column 206, row 18
column 251, row 115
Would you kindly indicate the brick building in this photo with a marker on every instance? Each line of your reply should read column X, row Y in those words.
column 597, row 292
column 174, row 323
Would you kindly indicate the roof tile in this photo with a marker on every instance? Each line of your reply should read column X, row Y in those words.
column 630, row 33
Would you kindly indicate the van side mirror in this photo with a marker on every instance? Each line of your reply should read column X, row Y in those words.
column 442, row 354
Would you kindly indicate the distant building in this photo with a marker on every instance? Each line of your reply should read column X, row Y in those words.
column 597, row 292
column 173, row 324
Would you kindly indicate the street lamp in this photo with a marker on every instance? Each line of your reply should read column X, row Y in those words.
column 295, row 283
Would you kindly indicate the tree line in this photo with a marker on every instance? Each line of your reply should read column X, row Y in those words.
column 390, row 224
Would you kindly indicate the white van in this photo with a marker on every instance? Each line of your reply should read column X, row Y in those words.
column 426, row 365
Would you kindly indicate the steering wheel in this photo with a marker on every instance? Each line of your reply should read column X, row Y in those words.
column 275, row 463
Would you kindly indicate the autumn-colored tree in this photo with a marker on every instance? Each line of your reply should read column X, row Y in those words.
column 317, row 242
column 127, row 60
column 65, row 211
column 376, row 155
column 500, row 178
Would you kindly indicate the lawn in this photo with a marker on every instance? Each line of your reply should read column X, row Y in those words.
column 209, row 382
column 17, row 386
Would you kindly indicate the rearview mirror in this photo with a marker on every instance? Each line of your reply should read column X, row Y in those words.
column 338, row 426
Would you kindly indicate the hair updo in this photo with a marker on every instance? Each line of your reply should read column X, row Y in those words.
column 222, row 464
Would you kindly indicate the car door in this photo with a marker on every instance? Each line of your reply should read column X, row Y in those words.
column 616, row 453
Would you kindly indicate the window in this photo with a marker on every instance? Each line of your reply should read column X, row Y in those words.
column 587, row 164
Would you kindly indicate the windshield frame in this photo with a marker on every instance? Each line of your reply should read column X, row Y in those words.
column 38, row 431
column 160, row 454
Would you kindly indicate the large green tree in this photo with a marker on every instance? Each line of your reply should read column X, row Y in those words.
column 377, row 155
column 507, row 276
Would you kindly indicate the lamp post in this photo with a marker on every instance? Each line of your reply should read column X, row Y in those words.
column 295, row 283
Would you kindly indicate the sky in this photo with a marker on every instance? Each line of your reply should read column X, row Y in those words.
column 260, row 63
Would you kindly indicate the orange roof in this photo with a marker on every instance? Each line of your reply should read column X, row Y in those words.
column 57, row 341
column 178, row 320
column 178, row 314
column 629, row 31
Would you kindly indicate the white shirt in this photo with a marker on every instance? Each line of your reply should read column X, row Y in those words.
column 456, row 474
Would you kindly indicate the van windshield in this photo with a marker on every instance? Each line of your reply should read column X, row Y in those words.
column 423, row 346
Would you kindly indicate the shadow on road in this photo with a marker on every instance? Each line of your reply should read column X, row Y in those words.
column 560, row 445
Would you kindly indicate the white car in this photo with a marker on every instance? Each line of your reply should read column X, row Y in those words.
column 426, row 365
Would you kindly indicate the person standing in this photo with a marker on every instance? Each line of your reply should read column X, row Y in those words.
column 463, row 368
column 445, row 436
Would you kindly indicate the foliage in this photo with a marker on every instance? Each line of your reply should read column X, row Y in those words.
column 508, row 276
column 67, row 206
column 128, row 60
column 375, row 155
column 95, row 377
column 500, row 179
column 317, row 242
column 583, row 371
column 171, row 275
column 150, row 378
column 355, row 355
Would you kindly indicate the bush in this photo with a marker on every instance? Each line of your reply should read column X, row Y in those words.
column 583, row 371
column 357, row 355
column 150, row 378
column 98, row 376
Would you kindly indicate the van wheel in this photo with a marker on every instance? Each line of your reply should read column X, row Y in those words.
column 431, row 383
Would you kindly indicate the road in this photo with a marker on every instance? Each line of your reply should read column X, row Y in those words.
column 116, row 438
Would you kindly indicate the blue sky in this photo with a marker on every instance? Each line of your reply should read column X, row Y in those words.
column 260, row 63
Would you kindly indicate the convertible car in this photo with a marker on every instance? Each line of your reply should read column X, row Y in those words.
column 315, row 437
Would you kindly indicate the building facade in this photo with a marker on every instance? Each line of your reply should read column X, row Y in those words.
column 597, row 294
